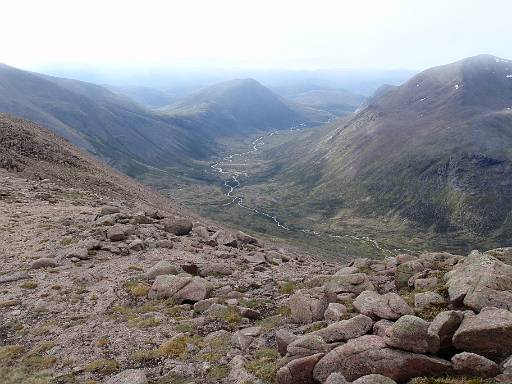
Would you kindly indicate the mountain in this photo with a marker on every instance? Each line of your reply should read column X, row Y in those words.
column 241, row 106
column 436, row 151
column 111, row 126
column 153, row 97
column 339, row 102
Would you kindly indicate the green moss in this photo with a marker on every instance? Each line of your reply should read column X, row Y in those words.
column 10, row 353
column 8, row 303
column 229, row 314
column 218, row 372
column 271, row 322
column 264, row 364
column 29, row 285
column 102, row 366
column 288, row 287
column 143, row 322
column 136, row 289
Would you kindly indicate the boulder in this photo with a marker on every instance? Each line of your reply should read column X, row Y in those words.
column 374, row 379
column 404, row 272
column 488, row 334
column 130, row 376
column 136, row 245
column 244, row 238
column 255, row 258
column 215, row 269
column 381, row 327
column 424, row 299
column 181, row 288
column 178, row 226
column 389, row 306
column 283, row 339
column 163, row 267
column 336, row 378
column 335, row 312
column 444, row 325
column 369, row 354
column 223, row 237
column 410, row 333
column 426, row 283
column 44, row 262
column 164, row 243
column 238, row 374
column 117, row 232
column 299, row 371
column 307, row 306
column 471, row 364
column 345, row 329
column 351, row 283
column 346, row 271
column 481, row 281
column 506, row 366
column 307, row 345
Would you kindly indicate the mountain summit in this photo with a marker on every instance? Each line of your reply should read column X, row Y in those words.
column 242, row 106
column 436, row 151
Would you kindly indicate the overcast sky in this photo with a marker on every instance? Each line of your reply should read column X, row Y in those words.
column 253, row 34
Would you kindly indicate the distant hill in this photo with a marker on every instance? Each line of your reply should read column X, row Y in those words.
column 152, row 97
column 339, row 102
column 436, row 150
column 111, row 126
column 242, row 106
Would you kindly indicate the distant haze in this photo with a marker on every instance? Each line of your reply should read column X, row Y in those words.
column 285, row 34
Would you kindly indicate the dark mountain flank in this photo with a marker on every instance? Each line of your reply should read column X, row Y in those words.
column 436, row 150
column 111, row 126
column 239, row 107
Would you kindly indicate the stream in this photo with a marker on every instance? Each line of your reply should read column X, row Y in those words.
column 232, row 184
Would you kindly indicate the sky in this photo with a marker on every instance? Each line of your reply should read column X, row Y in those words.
column 260, row 34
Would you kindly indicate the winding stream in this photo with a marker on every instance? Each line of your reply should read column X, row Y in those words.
column 232, row 184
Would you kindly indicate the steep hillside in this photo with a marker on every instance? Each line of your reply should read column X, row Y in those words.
column 436, row 151
column 105, row 282
column 241, row 107
column 108, row 125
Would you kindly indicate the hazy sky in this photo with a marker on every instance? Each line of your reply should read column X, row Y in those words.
column 253, row 34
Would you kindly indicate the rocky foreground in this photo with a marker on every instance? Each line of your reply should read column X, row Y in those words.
column 97, row 291
column 104, row 281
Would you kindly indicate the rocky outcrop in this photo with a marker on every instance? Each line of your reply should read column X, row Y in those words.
column 481, row 281
column 410, row 333
column 307, row 306
column 181, row 288
column 444, row 326
column 488, row 333
column 389, row 306
column 471, row 364
column 178, row 226
column 299, row 371
column 346, row 329
column 370, row 354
